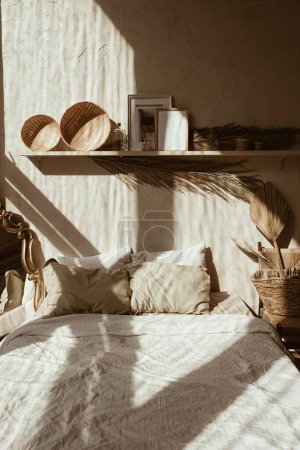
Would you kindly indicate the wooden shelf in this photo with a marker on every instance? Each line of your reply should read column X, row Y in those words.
column 177, row 153
column 66, row 162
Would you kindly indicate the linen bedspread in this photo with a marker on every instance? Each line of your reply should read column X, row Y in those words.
column 147, row 382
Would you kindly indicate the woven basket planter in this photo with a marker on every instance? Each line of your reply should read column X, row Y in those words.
column 85, row 126
column 42, row 133
column 279, row 296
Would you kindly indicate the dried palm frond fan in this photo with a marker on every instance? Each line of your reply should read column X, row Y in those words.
column 254, row 255
column 269, row 211
column 181, row 175
column 279, row 295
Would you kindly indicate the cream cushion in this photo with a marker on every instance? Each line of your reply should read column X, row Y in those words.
column 168, row 288
column 12, row 295
column 72, row 290
column 228, row 303
column 12, row 319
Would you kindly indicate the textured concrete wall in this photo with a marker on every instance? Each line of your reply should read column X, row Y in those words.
column 227, row 61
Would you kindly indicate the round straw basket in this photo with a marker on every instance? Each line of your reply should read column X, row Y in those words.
column 41, row 133
column 279, row 296
column 85, row 126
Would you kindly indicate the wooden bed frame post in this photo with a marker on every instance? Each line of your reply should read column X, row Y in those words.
column 32, row 258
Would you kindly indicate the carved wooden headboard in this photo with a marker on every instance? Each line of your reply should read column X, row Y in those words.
column 32, row 258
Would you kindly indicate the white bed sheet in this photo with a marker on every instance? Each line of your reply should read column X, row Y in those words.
column 147, row 382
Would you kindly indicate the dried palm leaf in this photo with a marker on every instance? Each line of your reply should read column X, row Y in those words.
column 268, row 211
column 271, row 138
column 183, row 176
column 252, row 253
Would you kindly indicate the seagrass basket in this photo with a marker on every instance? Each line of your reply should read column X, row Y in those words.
column 42, row 133
column 279, row 296
column 86, row 126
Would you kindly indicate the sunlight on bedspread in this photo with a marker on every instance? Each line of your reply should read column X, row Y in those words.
column 156, row 381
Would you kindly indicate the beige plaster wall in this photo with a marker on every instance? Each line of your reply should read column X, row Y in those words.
column 225, row 60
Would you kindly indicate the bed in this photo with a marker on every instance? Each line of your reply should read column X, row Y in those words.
column 150, row 381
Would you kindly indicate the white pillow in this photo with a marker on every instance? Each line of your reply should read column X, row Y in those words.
column 109, row 260
column 12, row 319
column 29, row 291
column 191, row 256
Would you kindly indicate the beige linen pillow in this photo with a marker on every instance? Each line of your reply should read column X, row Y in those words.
column 14, row 318
column 12, row 295
column 168, row 288
column 228, row 303
column 72, row 290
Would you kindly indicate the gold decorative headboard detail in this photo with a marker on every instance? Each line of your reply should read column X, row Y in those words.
column 32, row 257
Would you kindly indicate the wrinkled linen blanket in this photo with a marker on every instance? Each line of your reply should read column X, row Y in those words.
column 147, row 382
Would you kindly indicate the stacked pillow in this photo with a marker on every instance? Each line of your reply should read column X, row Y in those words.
column 168, row 288
column 12, row 319
column 11, row 302
column 75, row 290
column 120, row 283
column 108, row 260
column 12, row 295
column 157, row 282
column 17, row 299
column 149, row 287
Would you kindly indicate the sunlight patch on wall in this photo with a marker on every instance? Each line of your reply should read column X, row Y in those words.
column 56, row 54
column 77, row 55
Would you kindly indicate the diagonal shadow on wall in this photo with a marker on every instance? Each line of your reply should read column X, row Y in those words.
column 44, row 216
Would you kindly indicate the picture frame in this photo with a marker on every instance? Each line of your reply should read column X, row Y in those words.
column 172, row 129
column 142, row 119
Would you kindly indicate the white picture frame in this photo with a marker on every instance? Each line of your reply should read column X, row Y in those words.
column 172, row 129
column 142, row 119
